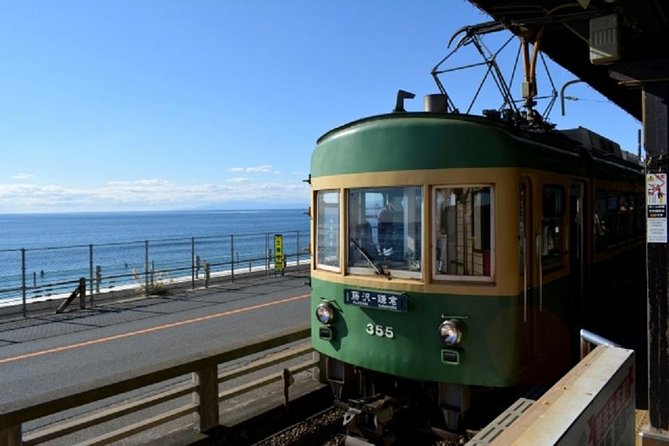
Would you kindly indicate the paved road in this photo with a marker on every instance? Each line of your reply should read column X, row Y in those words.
column 39, row 354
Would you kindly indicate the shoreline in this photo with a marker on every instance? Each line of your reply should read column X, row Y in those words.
column 14, row 306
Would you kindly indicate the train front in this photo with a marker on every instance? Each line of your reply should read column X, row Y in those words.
column 406, row 286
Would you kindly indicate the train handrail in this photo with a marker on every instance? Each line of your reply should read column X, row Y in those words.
column 202, row 365
column 588, row 339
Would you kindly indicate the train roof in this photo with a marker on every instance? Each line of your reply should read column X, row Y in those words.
column 579, row 145
column 594, row 141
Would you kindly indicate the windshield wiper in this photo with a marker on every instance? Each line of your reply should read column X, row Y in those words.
column 377, row 267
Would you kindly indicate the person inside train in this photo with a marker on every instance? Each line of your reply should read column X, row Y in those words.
column 390, row 229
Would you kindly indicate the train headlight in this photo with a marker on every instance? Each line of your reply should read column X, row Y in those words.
column 325, row 313
column 450, row 332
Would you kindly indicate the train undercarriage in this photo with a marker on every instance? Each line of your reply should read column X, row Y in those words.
column 381, row 409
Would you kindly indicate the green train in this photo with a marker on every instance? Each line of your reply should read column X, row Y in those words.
column 454, row 254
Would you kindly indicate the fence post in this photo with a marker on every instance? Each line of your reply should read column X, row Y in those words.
column 23, row 280
column 206, row 274
column 206, row 398
column 98, row 280
column 146, row 267
column 82, row 293
column 11, row 436
column 193, row 272
column 232, row 257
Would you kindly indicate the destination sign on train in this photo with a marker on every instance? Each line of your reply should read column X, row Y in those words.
column 375, row 299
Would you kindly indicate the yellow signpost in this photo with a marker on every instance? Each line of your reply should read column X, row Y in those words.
column 279, row 261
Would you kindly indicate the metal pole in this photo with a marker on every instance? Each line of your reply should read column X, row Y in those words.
column 562, row 93
column 192, row 262
column 266, row 253
column 23, row 281
column 297, row 248
column 232, row 257
column 588, row 339
column 91, row 269
column 146, row 267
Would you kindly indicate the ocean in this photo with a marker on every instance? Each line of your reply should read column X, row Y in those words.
column 43, row 255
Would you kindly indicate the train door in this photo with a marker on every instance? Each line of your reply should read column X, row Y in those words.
column 577, row 254
column 526, row 244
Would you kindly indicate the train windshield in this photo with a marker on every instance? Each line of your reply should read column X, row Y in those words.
column 384, row 231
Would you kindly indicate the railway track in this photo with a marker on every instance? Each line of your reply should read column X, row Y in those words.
column 326, row 428
column 322, row 428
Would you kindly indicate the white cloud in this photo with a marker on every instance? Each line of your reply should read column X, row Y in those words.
column 261, row 169
column 152, row 182
column 146, row 194
column 264, row 168
column 22, row 176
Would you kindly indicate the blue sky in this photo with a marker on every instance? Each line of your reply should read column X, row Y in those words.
column 165, row 104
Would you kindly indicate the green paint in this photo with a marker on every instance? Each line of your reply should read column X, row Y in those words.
column 488, row 354
column 414, row 141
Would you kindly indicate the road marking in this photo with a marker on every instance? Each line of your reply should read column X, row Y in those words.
column 149, row 330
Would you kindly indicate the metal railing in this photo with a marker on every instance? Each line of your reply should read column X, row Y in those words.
column 204, row 387
column 38, row 274
column 590, row 339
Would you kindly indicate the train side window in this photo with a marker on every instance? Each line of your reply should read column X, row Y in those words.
column 553, row 211
column 327, row 230
column 601, row 226
column 613, row 217
column 619, row 219
column 624, row 219
column 463, row 232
